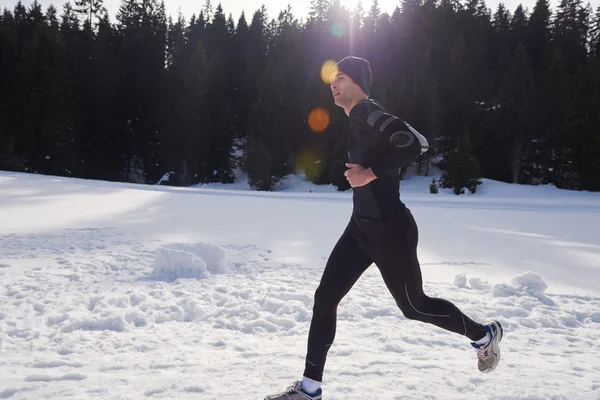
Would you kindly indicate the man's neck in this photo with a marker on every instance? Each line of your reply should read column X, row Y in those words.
column 353, row 103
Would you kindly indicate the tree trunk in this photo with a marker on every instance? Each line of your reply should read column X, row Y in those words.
column 515, row 159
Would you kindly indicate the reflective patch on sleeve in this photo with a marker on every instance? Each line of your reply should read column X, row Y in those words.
column 374, row 116
column 387, row 122
column 402, row 138
column 397, row 138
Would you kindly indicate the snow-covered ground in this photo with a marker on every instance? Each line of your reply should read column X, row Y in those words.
column 121, row 291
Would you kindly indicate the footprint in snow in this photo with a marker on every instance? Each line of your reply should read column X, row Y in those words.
column 56, row 364
column 193, row 389
column 5, row 394
column 48, row 378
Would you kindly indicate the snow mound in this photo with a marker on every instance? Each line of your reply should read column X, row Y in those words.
column 530, row 281
column 175, row 264
column 189, row 260
column 114, row 323
column 478, row 283
column 460, row 281
column 527, row 284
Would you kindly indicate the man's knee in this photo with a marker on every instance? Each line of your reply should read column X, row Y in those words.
column 409, row 312
column 325, row 300
column 412, row 306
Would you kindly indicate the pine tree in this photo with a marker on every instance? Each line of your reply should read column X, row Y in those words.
column 176, row 39
column 501, row 38
column 253, row 45
column 219, row 124
column 539, row 35
column 90, row 9
column 99, row 147
column 570, row 33
column 463, row 169
column 40, row 115
column 454, row 86
column 217, row 37
column 586, row 143
column 518, row 28
column 318, row 12
column 184, row 136
column 434, row 125
column 267, row 158
column 241, row 59
column 516, row 98
column 142, row 48
column 558, row 93
column 9, row 46
column 595, row 35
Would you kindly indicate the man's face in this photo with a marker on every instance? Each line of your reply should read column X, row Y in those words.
column 343, row 89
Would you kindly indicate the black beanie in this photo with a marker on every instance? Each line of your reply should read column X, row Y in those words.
column 359, row 70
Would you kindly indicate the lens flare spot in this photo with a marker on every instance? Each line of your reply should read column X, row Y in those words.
column 338, row 29
column 327, row 70
column 309, row 163
column 318, row 119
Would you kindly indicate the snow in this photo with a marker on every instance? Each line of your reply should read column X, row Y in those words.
column 291, row 184
column 130, row 291
column 199, row 260
column 164, row 178
column 460, row 281
column 525, row 284
column 478, row 283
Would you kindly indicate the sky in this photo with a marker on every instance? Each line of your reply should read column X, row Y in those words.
column 300, row 8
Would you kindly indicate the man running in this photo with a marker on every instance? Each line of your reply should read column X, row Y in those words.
column 381, row 231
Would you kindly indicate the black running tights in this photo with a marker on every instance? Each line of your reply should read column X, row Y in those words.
column 391, row 245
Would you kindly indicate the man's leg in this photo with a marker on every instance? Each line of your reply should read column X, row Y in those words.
column 345, row 265
column 397, row 260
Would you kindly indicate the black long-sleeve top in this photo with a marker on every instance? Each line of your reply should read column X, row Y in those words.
column 385, row 143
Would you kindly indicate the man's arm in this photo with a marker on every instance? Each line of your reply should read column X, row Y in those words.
column 402, row 142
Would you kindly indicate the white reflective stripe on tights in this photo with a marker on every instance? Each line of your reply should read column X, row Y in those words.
column 411, row 304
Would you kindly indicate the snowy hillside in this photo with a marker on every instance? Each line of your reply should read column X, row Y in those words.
column 121, row 291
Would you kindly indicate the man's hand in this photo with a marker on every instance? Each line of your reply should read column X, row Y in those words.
column 358, row 176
